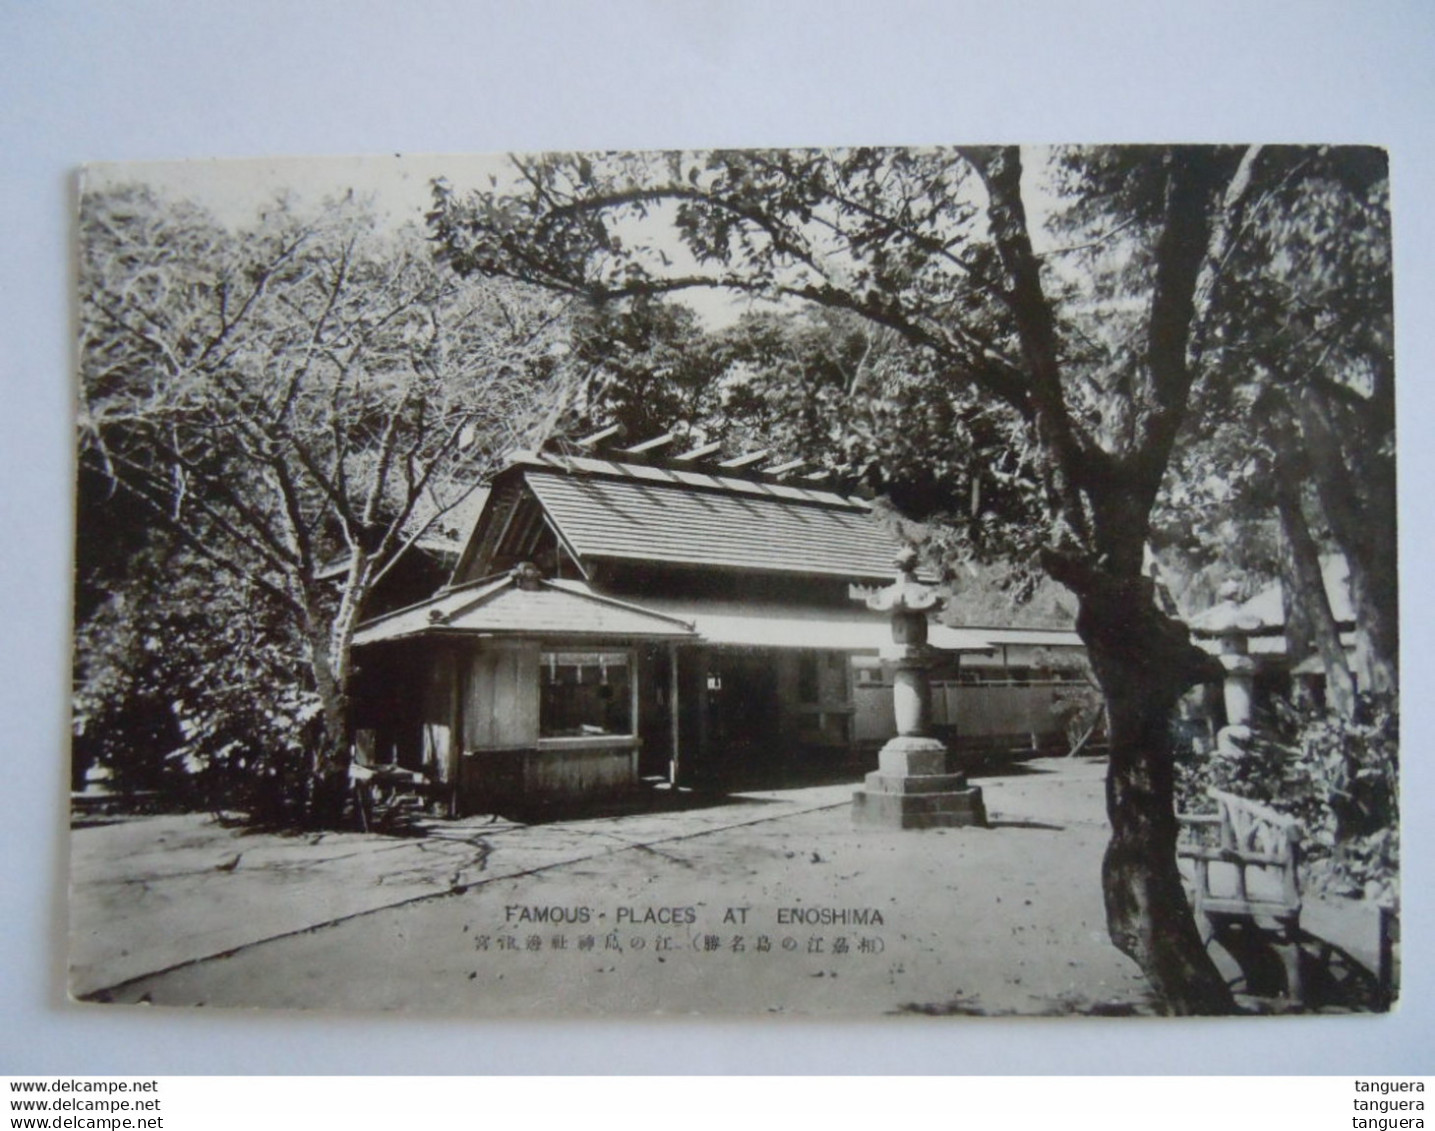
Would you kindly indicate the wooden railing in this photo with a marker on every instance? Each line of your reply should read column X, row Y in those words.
column 1245, row 864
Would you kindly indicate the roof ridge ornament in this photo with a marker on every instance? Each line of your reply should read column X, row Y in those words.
column 700, row 453
column 527, row 577
column 744, row 461
column 652, row 445
column 612, row 431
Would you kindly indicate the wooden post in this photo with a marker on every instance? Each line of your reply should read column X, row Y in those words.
column 849, row 701
column 635, row 758
column 673, row 707
column 458, row 675
column 700, row 656
column 1385, row 957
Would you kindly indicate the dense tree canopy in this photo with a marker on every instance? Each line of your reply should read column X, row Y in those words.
column 1302, row 370
column 284, row 409
column 1058, row 307
column 646, row 365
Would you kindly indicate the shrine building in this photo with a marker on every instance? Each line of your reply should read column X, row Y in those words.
column 617, row 616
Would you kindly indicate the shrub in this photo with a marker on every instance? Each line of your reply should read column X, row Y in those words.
column 190, row 691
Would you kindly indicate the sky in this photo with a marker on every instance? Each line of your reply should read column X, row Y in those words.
column 235, row 189
column 400, row 185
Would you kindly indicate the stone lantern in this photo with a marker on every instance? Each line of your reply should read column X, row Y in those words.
column 911, row 788
column 1232, row 626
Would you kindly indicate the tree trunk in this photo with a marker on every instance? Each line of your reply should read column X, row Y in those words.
column 1373, row 592
column 1306, row 585
column 1144, row 662
column 1361, row 510
column 329, row 763
column 330, row 644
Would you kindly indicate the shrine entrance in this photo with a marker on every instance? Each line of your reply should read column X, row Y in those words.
column 742, row 708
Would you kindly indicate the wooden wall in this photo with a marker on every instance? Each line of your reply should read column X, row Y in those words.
column 440, row 750
column 505, row 765
column 500, row 696
column 976, row 713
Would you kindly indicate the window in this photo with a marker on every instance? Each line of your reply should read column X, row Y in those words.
column 585, row 695
column 869, row 674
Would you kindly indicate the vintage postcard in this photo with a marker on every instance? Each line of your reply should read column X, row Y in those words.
column 947, row 581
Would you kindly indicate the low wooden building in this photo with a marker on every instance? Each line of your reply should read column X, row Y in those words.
column 619, row 617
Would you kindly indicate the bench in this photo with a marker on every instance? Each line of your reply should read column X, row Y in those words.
column 1244, row 864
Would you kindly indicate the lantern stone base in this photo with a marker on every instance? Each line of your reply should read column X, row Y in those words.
column 912, row 790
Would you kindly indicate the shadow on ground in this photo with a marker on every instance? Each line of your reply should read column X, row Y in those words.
column 1000, row 823
column 650, row 798
column 1332, row 979
column 1063, row 1005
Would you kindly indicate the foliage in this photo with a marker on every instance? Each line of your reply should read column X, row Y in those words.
column 857, row 399
column 1297, row 388
column 193, row 686
column 646, row 365
column 1339, row 777
column 997, row 594
column 915, row 372
column 288, row 406
column 850, row 400
column 849, row 393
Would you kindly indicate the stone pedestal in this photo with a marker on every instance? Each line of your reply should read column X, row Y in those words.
column 911, row 789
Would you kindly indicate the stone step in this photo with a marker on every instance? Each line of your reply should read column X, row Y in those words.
column 954, row 809
column 879, row 782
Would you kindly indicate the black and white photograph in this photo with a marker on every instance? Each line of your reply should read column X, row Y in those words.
column 838, row 582
column 703, row 538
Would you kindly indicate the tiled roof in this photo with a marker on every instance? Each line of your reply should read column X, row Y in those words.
column 501, row 606
column 1265, row 612
column 657, row 514
column 449, row 530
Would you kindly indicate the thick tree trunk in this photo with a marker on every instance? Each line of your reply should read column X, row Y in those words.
column 1101, row 498
column 330, row 649
column 1374, row 593
column 1145, row 662
column 329, row 759
column 1305, row 584
column 329, row 764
